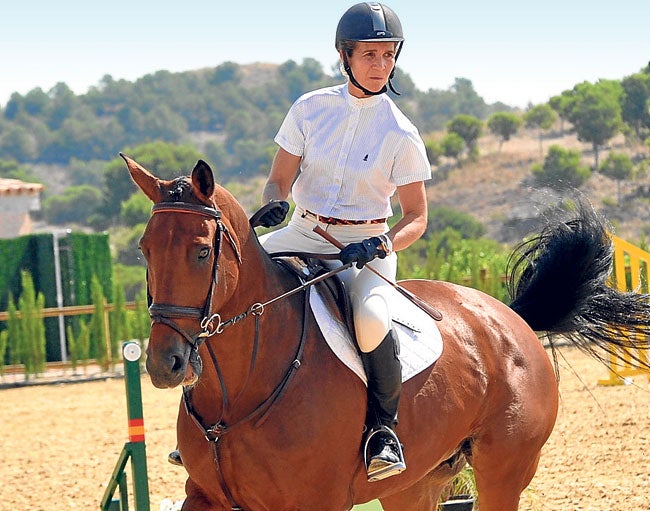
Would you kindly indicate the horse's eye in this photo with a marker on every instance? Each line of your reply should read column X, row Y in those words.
column 204, row 252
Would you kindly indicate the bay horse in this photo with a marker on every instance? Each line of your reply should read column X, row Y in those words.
column 273, row 421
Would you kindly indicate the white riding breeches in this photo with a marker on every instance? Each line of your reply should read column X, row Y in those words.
column 369, row 294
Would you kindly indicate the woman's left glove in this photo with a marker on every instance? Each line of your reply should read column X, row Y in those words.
column 364, row 251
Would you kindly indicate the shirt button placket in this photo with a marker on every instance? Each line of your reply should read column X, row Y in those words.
column 346, row 144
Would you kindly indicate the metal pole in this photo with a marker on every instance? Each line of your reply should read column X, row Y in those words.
column 59, row 294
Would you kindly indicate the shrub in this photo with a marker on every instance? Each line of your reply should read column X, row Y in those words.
column 561, row 169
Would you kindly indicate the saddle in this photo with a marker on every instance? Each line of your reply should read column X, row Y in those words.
column 420, row 339
column 307, row 267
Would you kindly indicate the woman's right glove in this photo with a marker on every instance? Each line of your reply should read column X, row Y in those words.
column 363, row 252
column 275, row 215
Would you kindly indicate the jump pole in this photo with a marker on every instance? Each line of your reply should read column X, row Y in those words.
column 135, row 448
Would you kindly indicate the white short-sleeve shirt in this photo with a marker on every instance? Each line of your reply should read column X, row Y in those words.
column 355, row 153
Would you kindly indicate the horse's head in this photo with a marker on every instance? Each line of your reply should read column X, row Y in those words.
column 193, row 256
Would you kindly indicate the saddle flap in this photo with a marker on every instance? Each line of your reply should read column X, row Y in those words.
column 420, row 339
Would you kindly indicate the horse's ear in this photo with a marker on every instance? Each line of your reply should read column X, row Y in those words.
column 203, row 180
column 146, row 181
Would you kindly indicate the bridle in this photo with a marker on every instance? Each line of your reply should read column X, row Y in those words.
column 166, row 313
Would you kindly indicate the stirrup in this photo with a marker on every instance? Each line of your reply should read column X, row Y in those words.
column 388, row 470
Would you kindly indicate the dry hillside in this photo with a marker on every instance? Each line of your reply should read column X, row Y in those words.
column 498, row 189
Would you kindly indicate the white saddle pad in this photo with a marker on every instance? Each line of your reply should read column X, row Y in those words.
column 419, row 337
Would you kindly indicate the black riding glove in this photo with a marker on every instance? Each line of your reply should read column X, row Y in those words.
column 363, row 252
column 276, row 214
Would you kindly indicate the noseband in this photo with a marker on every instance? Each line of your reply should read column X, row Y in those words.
column 166, row 313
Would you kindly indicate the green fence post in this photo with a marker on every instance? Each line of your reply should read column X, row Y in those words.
column 136, row 445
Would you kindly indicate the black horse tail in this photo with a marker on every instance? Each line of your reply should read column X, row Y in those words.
column 558, row 284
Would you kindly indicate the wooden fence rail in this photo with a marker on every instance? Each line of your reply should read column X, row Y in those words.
column 78, row 310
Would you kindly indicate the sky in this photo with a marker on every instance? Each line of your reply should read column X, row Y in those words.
column 517, row 52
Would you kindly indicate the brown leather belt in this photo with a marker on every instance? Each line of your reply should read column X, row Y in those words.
column 340, row 221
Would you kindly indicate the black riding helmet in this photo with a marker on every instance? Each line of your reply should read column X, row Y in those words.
column 369, row 22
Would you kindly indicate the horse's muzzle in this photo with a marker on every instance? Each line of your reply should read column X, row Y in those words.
column 179, row 364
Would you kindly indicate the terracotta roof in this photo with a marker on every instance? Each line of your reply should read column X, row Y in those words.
column 16, row 187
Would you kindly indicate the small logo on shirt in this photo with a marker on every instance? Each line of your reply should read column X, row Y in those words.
column 365, row 158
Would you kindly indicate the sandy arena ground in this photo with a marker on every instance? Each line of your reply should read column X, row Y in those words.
column 61, row 442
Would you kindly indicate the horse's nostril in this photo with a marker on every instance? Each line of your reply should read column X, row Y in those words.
column 177, row 364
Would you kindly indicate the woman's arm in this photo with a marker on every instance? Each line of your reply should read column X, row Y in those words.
column 283, row 172
column 413, row 201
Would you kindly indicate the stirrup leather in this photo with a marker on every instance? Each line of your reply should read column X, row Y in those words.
column 388, row 470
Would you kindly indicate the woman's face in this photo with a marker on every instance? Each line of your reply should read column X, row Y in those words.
column 371, row 64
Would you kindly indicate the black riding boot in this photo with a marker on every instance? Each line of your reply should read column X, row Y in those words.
column 383, row 451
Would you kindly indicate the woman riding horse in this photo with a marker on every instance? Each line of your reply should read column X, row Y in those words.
column 344, row 151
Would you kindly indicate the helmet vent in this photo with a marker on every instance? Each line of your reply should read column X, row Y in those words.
column 378, row 19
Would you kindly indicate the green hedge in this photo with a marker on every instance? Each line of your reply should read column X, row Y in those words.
column 81, row 257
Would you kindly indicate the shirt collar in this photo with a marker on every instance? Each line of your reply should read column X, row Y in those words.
column 368, row 102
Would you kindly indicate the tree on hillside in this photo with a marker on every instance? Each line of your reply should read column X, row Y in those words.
column 434, row 151
column 34, row 103
column 17, row 143
column 135, row 210
column 635, row 103
column 618, row 166
column 469, row 128
column 75, row 205
column 452, row 146
column 504, row 125
column 62, row 105
column 562, row 106
column 561, row 169
column 10, row 169
column 595, row 112
column 84, row 137
column 540, row 117
column 431, row 110
column 467, row 226
column 226, row 72
column 467, row 99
